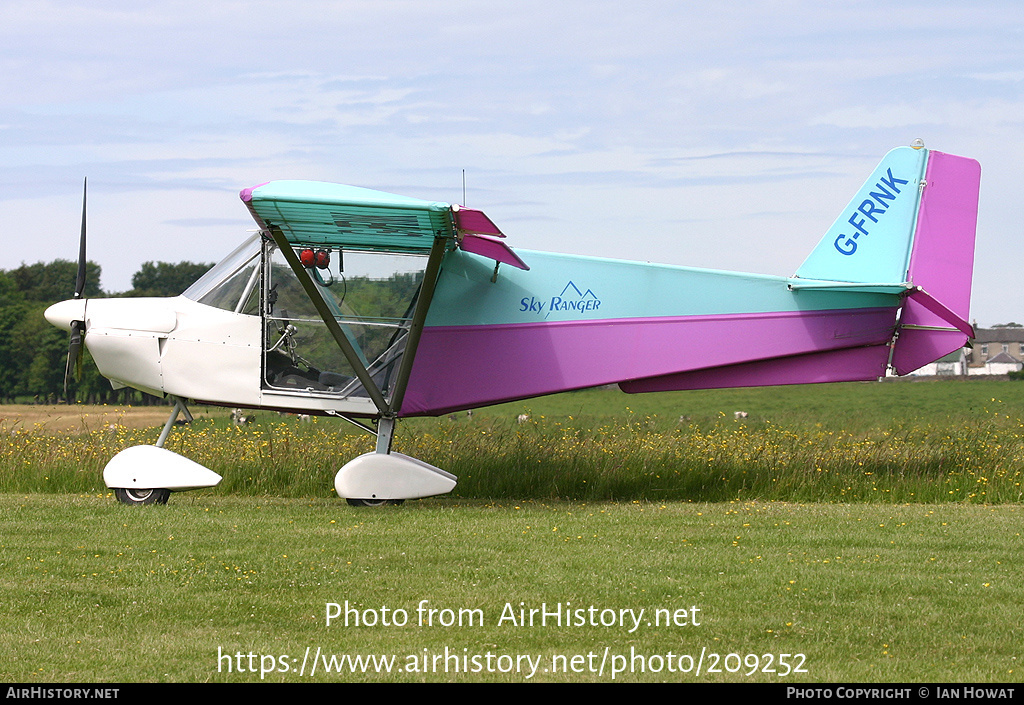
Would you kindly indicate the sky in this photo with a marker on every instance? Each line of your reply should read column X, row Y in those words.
column 719, row 135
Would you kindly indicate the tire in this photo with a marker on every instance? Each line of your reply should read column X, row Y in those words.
column 374, row 502
column 135, row 496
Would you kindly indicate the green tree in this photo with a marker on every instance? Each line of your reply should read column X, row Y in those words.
column 165, row 278
column 54, row 281
column 33, row 353
column 13, row 310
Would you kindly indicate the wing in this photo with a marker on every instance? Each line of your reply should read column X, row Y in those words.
column 318, row 213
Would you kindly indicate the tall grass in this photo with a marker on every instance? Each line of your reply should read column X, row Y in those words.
column 979, row 463
column 602, row 454
column 283, row 458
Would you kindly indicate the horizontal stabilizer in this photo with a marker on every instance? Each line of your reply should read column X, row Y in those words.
column 931, row 304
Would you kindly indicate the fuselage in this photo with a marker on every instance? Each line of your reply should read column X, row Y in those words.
column 569, row 322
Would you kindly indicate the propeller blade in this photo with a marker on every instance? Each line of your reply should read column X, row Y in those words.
column 73, row 368
column 80, row 280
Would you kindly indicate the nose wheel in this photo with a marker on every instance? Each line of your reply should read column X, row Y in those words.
column 136, row 496
column 373, row 502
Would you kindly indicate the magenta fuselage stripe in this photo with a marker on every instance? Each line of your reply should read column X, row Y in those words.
column 461, row 367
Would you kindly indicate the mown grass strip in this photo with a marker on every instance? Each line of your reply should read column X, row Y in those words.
column 98, row 592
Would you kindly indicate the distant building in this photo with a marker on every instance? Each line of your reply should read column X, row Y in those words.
column 996, row 351
column 952, row 365
column 993, row 351
column 1001, row 364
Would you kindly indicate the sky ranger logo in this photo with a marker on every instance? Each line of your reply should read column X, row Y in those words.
column 571, row 299
column 884, row 195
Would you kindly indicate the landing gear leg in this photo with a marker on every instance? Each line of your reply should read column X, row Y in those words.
column 385, row 434
column 179, row 407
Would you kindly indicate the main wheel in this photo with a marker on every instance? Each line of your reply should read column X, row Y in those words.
column 373, row 502
column 134, row 496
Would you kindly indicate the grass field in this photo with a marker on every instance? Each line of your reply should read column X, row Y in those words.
column 77, row 419
column 96, row 592
column 874, row 530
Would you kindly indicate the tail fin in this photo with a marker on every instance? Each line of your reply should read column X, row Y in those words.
column 910, row 230
column 871, row 241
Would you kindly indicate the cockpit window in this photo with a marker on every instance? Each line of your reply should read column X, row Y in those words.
column 233, row 284
column 371, row 295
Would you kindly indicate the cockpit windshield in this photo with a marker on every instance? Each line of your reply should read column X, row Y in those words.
column 232, row 284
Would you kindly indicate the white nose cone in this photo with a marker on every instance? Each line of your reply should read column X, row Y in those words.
column 63, row 313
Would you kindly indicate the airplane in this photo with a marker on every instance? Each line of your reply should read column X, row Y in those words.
column 371, row 307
